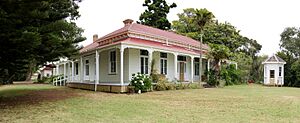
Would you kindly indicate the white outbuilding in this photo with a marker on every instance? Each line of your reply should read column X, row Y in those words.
column 274, row 71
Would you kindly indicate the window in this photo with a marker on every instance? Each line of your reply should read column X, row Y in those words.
column 48, row 75
column 144, row 61
column 87, row 68
column 280, row 70
column 272, row 73
column 163, row 63
column 144, row 52
column 197, row 67
column 76, row 68
column 181, row 58
column 112, row 62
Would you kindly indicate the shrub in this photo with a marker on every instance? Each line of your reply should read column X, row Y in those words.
column 194, row 86
column 170, row 86
column 141, row 82
column 45, row 79
column 161, row 84
column 230, row 74
column 213, row 80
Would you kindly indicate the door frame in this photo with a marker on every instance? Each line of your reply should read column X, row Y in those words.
column 181, row 71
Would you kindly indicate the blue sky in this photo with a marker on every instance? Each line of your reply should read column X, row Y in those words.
column 262, row 20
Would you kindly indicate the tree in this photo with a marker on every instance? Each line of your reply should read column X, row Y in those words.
column 215, row 32
column 290, row 40
column 34, row 32
column 156, row 14
column 291, row 69
column 225, row 34
column 290, row 52
column 201, row 18
column 217, row 53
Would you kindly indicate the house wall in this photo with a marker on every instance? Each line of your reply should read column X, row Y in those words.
column 131, row 65
column 61, row 69
column 170, row 64
column 105, row 77
column 203, row 69
column 134, row 62
column 92, row 66
column 268, row 67
column 77, row 77
column 45, row 72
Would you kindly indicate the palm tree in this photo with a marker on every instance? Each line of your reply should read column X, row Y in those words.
column 202, row 17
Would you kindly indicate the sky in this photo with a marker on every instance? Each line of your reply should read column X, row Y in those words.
column 262, row 20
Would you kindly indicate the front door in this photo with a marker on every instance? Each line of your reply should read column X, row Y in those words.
column 272, row 77
column 181, row 72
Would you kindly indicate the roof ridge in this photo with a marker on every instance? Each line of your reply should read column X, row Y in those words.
column 183, row 36
column 276, row 58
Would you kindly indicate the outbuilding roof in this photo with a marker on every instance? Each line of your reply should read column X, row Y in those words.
column 274, row 59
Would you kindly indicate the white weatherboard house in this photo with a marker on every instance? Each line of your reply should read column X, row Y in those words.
column 274, row 71
column 108, row 63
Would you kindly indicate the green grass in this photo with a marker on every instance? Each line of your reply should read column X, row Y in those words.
column 17, row 90
column 240, row 103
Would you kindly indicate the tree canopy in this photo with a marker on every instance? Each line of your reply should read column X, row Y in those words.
column 220, row 35
column 156, row 14
column 290, row 40
column 290, row 52
column 214, row 32
column 34, row 32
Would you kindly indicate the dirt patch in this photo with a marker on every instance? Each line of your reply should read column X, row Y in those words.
column 36, row 97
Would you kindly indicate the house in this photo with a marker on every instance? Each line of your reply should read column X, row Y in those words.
column 108, row 63
column 274, row 71
column 46, row 71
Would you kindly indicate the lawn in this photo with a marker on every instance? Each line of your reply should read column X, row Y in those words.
column 242, row 103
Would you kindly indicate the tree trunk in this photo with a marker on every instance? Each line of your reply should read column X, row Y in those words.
column 29, row 71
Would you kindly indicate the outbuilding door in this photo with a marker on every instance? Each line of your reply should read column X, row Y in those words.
column 272, row 77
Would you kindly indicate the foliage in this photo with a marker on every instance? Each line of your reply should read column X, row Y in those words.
column 141, row 82
column 290, row 40
column 296, row 69
column 212, row 78
column 44, row 80
column 35, row 32
column 257, row 69
column 244, row 65
column 289, row 44
column 220, row 35
column 230, row 74
column 291, row 69
column 156, row 14
column 214, row 32
column 163, row 84
column 202, row 17
column 217, row 53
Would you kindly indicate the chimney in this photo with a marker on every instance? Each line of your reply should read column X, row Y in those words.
column 127, row 22
column 95, row 37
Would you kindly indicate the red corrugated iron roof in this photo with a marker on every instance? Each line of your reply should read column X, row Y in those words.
column 142, row 29
column 174, row 48
column 155, row 32
column 89, row 47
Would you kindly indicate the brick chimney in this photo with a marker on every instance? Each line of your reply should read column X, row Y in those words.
column 127, row 22
column 95, row 37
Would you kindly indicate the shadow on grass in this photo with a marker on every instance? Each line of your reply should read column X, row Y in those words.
column 18, row 95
